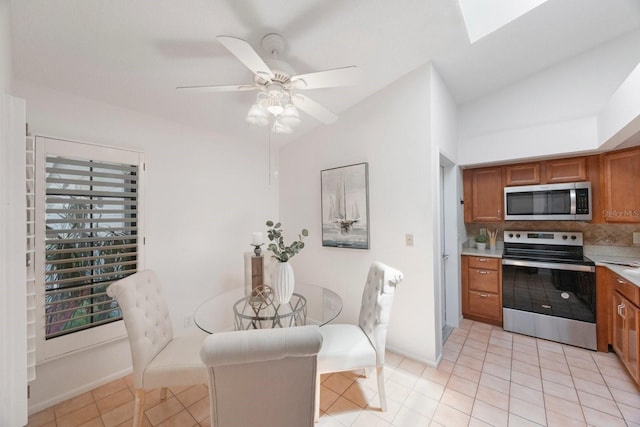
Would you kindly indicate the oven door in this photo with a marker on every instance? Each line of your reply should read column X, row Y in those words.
column 548, row 288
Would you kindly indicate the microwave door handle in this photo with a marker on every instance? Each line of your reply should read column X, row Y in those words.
column 572, row 197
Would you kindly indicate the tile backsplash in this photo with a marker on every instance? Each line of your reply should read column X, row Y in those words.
column 594, row 234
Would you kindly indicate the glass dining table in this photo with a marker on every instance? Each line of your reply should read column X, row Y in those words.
column 235, row 310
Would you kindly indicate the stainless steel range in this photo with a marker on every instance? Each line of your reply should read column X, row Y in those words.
column 549, row 287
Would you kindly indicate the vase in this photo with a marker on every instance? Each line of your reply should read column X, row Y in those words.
column 283, row 283
column 481, row 246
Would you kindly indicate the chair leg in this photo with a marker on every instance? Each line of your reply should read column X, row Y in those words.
column 316, row 409
column 381, row 391
column 163, row 393
column 138, row 408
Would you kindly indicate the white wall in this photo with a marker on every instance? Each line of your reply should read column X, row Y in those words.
column 553, row 112
column 204, row 196
column 390, row 131
column 620, row 117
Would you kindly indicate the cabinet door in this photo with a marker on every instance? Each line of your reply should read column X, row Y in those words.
column 523, row 174
column 565, row 170
column 483, row 192
column 618, row 329
column 620, row 177
column 631, row 325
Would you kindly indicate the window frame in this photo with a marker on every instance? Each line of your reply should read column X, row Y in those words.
column 49, row 349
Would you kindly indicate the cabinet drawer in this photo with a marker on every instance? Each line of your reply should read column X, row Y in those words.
column 485, row 304
column 629, row 290
column 484, row 280
column 484, row 263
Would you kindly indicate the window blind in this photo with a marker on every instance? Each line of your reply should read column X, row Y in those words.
column 30, row 262
column 91, row 240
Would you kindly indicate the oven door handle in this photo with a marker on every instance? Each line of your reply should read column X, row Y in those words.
column 549, row 265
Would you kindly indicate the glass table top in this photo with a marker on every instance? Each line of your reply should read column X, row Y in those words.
column 233, row 310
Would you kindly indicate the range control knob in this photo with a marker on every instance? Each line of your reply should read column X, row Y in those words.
column 511, row 235
column 517, row 235
column 564, row 237
column 573, row 237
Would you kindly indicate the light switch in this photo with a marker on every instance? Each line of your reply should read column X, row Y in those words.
column 409, row 239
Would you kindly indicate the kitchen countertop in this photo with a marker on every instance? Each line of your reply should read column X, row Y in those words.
column 489, row 253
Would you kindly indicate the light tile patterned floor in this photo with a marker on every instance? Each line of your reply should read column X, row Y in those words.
column 487, row 377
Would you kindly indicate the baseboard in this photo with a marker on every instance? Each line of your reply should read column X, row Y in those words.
column 78, row 391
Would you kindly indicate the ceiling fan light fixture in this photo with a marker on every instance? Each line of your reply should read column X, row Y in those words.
column 258, row 115
column 274, row 106
column 281, row 129
column 290, row 116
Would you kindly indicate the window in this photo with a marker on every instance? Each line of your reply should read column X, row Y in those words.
column 88, row 202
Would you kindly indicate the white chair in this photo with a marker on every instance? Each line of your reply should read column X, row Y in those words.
column 160, row 360
column 262, row 377
column 349, row 347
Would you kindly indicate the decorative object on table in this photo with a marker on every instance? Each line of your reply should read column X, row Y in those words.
column 481, row 241
column 345, row 206
column 283, row 281
column 257, row 266
column 493, row 234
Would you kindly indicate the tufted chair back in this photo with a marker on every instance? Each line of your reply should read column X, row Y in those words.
column 146, row 318
column 377, row 299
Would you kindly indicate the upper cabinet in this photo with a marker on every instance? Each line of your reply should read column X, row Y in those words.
column 522, row 174
column 565, row 170
column 483, row 194
column 620, row 178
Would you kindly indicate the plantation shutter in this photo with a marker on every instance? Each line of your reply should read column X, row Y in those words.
column 30, row 263
column 91, row 239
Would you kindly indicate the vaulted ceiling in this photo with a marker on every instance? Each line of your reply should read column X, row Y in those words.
column 134, row 54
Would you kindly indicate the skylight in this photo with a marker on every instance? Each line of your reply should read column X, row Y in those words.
column 482, row 17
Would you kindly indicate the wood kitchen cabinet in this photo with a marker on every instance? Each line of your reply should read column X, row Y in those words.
column 625, row 324
column 522, row 174
column 482, row 289
column 620, row 201
column 565, row 170
column 483, row 194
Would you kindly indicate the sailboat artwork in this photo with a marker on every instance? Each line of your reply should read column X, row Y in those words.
column 345, row 207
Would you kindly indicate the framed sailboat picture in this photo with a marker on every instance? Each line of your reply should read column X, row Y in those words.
column 345, row 206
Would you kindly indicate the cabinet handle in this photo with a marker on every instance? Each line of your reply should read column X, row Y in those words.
column 622, row 307
column 482, row 272
column 622, row 282
column 482, row 259
column 483, row 295
column 619, row 308
column 499, row 212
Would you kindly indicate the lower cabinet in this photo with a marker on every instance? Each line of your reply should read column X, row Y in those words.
column 625, row 324
column 482, row 289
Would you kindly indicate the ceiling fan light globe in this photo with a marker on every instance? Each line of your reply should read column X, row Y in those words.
column 281, row 129
column 290, row 116
column 258, row 115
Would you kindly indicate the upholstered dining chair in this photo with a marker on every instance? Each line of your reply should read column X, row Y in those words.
column 348, row 347
column 160, row 359
column 262, row 377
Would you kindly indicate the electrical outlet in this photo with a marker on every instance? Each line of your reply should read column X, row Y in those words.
column 636, row 238
column 409, row 239
column 188, row 321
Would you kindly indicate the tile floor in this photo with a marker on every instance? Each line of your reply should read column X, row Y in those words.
column 487, row 377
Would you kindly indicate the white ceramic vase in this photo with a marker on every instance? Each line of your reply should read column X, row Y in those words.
column 283, row 283
column 481, row 246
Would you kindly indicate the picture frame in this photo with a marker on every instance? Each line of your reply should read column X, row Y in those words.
column 345, row 206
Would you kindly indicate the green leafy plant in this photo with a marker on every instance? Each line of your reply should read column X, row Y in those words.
column 482, row 238
column 281, row 251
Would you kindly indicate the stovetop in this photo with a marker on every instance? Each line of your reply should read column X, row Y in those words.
column 542, row 246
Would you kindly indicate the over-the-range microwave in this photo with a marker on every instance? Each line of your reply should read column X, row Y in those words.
column 568, row 201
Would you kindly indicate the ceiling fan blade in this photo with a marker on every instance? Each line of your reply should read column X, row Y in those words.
column 219, row 88
column 346, row 76
column 245, row 53
column 314, row 109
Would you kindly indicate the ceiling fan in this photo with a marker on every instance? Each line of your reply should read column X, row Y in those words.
column 278, row 85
